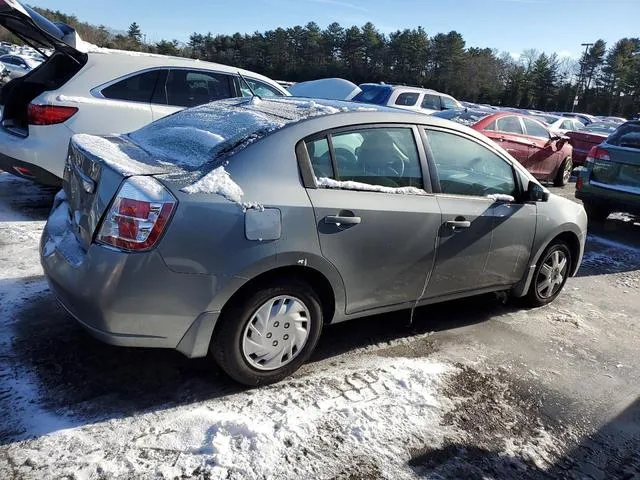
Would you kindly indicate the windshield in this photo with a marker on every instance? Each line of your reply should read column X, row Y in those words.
column 546, row 119
column 627, row 135
column 376, row 94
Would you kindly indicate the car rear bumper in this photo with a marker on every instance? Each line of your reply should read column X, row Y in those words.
column 127, row 299
column 614, row 199
column 32, row 172
column 43, row 151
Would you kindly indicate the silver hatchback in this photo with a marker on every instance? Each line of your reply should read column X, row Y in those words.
column 243, row 226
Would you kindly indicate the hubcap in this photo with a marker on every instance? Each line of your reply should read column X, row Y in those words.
column 568, row 169
column 552, row 274
column 276, row 333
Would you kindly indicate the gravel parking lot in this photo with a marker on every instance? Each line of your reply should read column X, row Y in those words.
column 470, row 388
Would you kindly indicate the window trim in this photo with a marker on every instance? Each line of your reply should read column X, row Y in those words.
column 436, row 189
column 97, row 91
column 304, row 160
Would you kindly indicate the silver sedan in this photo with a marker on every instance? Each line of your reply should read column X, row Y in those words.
column 243, row 226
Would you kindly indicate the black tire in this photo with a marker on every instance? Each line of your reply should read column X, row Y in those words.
column 564, row 173
column 596, row 213
column 226, row 344
column 533, row 297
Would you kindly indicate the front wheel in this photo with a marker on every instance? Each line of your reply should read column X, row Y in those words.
column 564, row 173
column 550, row 275
column 269, row 334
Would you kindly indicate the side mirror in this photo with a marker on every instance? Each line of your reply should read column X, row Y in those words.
column 537, row 193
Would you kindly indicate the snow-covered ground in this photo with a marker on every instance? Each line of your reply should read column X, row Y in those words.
column 473, row 388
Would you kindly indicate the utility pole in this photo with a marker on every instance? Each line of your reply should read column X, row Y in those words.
column 583, row 74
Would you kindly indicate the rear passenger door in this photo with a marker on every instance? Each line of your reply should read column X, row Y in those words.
column 508, row 132
column 185, row 88
column 483, row 242
column 376, row 224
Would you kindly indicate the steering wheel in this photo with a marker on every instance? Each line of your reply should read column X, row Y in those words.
column 345, row 157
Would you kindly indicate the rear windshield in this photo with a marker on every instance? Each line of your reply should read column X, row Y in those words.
column 600, row 127
column 465, row 117
column 376, row 94
column 627, row 135
column 194, row 137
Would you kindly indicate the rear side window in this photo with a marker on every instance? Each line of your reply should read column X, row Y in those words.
column 534, row 129
column 386, row 157
column 189, row 88
column 320, row 158
column 407, row 99
column 137, row 88
column 431, row 102
column 468, row 168
column 509, row 125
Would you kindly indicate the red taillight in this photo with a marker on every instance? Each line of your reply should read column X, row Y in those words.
column 138, row 215
column 579, row 182
column 25, row 172
column 597, row 153
column 49, row 114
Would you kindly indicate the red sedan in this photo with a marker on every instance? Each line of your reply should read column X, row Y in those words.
column 545, row 154
column 588, row 137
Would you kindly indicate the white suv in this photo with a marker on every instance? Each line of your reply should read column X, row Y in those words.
column 81, row 88
column 417, row 99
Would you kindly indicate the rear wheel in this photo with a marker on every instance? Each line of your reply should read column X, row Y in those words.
column 596, row 213
column 269, row 335
column 564, row 173
column 550, row 275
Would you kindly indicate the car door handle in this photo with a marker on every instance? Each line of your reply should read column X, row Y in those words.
column 455, row 224
column 342, row 220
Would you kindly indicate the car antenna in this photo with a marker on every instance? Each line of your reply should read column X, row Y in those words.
column 253, row 94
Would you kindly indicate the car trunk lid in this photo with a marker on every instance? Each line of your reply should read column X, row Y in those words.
column 95, row 169
column 31, row 27
column 621, row 172
column 68, row 59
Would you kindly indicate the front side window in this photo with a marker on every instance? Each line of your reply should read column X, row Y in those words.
column 468, row 168
column 565, row 125
column 386, row 157
column 407, row 99
column 189, row 88
column 259, row 88
column 137, row 88
column 431, row 102
column 509, row 125
column 534, row 129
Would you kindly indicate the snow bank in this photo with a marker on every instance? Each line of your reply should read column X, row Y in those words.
column 351, row 185
column 220, row 182
column 312, row 426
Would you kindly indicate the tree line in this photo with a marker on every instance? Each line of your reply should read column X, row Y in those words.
column 605, row 81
